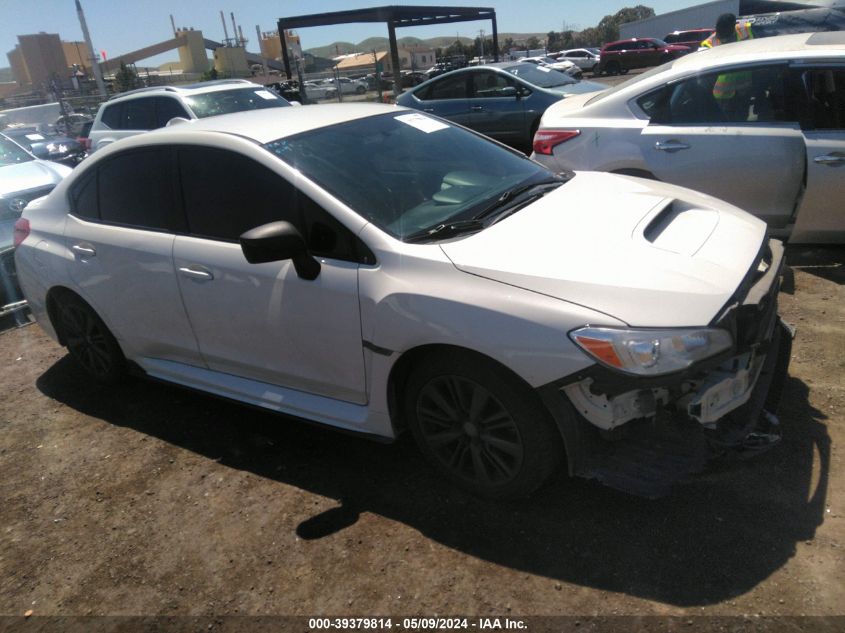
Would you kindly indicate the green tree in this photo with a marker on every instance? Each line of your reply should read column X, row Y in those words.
column 210, row 75
column 125, row 79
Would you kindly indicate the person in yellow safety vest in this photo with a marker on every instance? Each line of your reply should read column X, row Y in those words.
column 729, row 85
column 728, row 30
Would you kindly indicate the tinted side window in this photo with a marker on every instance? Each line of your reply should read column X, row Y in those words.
column 825, row 107
column 83, row 197
column 227, row 194
column 139, row 114
column 112, row 115
column 449, row 88
column 136, row 189
column 487, row 84
column 166, row 109
column 672, row 38
column 742, row 95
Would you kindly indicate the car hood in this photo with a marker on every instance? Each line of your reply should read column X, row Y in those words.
column 646, row 253
column 33, row 174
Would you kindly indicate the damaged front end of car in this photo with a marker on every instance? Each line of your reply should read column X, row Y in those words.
column 660, row 404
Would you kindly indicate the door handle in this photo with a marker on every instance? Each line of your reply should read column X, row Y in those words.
column 85, row 250
column 670, row 146
column 477, row 108
column 830, row 159
column 197, row 272
column 428, row 109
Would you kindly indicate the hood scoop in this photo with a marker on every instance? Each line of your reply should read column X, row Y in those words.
column 681, row 228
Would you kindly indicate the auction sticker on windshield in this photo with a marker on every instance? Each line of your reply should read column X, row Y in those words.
column 422, row 122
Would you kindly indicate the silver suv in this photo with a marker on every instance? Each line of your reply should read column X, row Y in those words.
column 146, row 109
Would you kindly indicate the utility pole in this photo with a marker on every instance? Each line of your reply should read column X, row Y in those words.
column 261, row 52
column 95, row 66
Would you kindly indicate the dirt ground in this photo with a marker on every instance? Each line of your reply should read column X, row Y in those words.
column 150, row 499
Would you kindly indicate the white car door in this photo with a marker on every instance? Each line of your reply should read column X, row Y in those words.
column 821, row 217
column 745, row 147
column 121, row 231
column 262, row 321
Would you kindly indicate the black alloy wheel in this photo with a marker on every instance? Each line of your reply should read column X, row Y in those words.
column 469, row 430
column 480, row 425
column 89, row 341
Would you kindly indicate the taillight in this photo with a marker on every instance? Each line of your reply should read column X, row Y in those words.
column 546, row 140
column 21, row 231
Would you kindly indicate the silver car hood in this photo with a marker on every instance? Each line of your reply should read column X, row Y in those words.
column 33, row 174
column 647, row 253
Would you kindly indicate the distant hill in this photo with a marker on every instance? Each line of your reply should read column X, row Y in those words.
column 381, row 43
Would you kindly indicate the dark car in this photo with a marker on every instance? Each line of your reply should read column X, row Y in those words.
column 54, row 147
column 691, row 37
column 620, row 57
column 504, row 101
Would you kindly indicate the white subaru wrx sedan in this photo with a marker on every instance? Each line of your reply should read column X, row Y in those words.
column 375, row 269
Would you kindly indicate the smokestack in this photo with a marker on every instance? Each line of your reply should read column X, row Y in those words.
column 95, row 67
column 173, row 24
column 241, row 34
column 234, row 28
column 225, row 32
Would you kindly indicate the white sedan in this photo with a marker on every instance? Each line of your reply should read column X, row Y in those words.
column 385, row 270
column 759, row 123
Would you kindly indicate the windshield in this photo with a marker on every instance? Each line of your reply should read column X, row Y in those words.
column 238, row 100
column 11, row 153
column 539, row 75
column 406, row 172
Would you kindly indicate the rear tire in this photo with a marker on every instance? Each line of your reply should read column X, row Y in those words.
column 88, row 340
column 613, row 68
column 480, row 426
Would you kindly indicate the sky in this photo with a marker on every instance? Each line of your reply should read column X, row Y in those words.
column 120, row 26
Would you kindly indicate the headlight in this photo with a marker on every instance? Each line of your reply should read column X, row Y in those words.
column 649, row 352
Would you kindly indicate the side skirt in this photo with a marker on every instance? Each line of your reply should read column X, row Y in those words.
column 320, row 409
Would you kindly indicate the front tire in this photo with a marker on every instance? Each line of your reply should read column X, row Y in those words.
column 480, row 426
column 89, row 341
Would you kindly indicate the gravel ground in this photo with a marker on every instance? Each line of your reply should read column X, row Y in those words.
column 149, row 499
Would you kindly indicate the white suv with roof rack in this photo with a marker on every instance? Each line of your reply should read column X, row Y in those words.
column 147, row 109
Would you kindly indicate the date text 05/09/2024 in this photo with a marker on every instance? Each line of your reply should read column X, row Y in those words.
column 416, row 623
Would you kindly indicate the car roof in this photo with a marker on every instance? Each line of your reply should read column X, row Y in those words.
column 762, row 48
column 270, row 124
column 189, row 89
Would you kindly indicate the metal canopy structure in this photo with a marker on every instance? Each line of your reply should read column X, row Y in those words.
column 395, row 17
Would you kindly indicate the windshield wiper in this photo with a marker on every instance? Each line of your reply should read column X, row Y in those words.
column 446, row 229
column 510, row 197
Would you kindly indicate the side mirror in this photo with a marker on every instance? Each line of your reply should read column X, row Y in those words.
column 278, row 241
column 509, row 91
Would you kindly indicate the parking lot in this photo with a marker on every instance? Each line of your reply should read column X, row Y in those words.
column 150, row 499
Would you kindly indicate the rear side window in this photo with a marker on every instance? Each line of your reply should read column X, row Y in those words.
column 139, row 114
column 113, row 115
column 737, row 95
column 83, row 197
column 136, row 189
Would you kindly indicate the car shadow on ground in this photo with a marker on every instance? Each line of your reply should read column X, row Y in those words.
column 827, row 262
column 713, row 539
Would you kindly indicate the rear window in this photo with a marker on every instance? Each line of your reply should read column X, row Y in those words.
column 237, row 100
